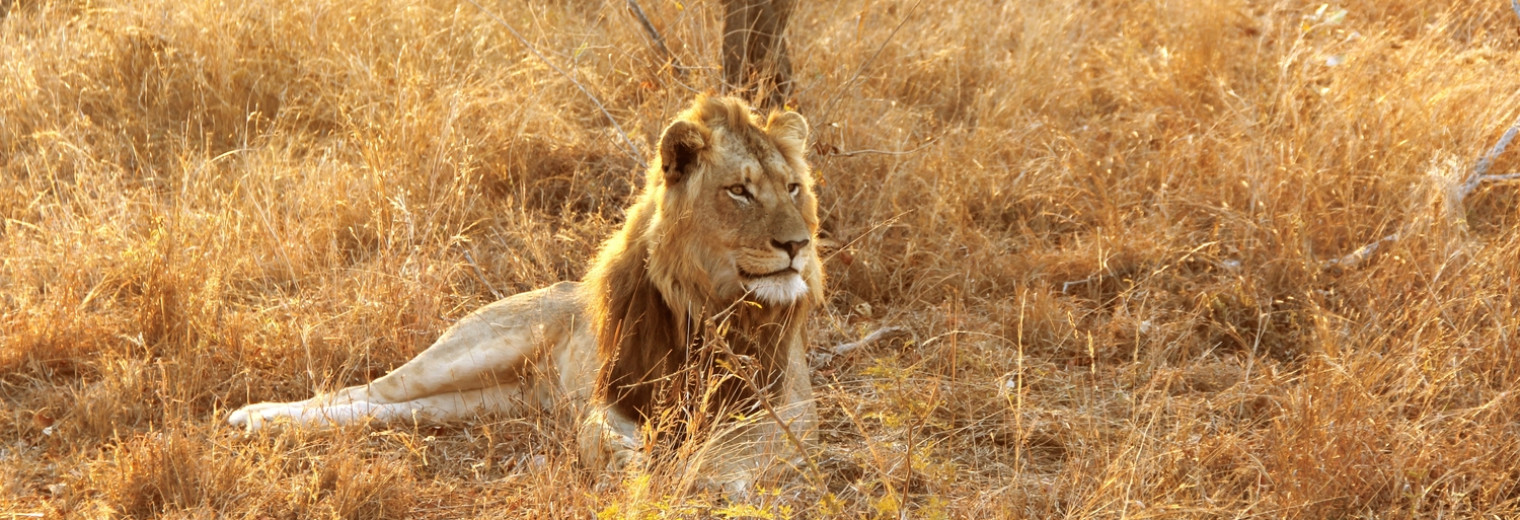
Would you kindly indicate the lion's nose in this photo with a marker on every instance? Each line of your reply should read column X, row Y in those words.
column 791, row 247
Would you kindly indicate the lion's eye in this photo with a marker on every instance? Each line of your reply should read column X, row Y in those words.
column 794, row 189
column 738, row 191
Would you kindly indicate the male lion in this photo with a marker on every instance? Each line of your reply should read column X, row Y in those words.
column 715, row 267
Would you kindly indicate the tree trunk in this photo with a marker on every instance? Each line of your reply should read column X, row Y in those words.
column 756, row 64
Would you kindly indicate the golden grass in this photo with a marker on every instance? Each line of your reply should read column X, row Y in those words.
column 1111, row 256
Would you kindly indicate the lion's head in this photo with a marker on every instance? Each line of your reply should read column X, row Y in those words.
column 734, row 210
column 727, row 213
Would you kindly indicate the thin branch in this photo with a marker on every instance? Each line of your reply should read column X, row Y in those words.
column 1488, row 159
column 826, row 357
column 654, row 35
column 633, row 150
column 1500, row 177
column 1472, row 184
column 480, row 275
column 1067, row 285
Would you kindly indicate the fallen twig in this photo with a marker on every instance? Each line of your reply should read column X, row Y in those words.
column 1362, row 253
column 1473, row 183
column 827, row 356
column 1067, row 285
column 1480, row 170
column 875, row 335
column 633, row 150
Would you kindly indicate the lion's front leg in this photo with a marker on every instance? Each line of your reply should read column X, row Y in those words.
column 763, row 448
column 768, row 446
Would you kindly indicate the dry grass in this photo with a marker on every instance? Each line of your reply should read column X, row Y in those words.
column 1111, row 257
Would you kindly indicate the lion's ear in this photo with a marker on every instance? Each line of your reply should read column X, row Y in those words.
column 678, row 149
column 789, row 129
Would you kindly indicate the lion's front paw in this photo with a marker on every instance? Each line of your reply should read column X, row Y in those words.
column 626, row 458
column 740, row 489
column 258, row 416
column 622, row 454
column 238, row 418
column 609, row 443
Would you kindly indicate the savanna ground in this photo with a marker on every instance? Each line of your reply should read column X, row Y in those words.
column 1110, row 237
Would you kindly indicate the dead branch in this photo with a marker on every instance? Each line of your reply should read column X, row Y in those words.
column 1480, row 170
column 1362, row 253
column 633, row 150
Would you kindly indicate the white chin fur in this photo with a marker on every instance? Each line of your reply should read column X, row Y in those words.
column 777, row 290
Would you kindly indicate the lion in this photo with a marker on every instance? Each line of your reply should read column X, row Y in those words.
column 715, row 266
